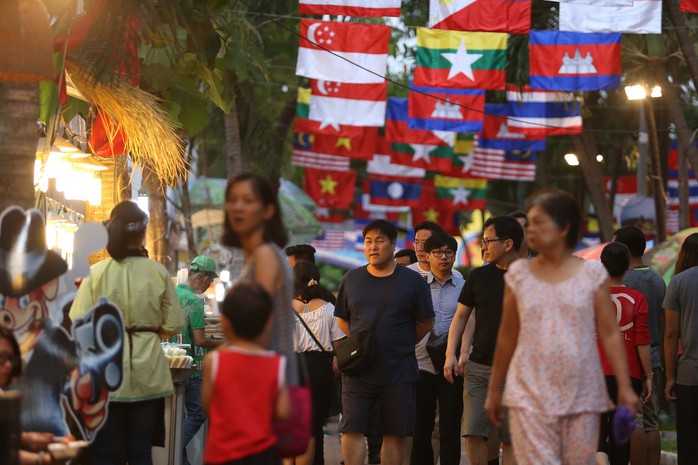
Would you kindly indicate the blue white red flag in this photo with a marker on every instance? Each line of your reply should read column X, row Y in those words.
column 540, row 113
column 574, row 61
column 395, row 191
column 496, row 134
column 458, row 110
column 397, row 128
column 673, row 179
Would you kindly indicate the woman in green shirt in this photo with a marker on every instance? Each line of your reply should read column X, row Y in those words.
column 144, row 292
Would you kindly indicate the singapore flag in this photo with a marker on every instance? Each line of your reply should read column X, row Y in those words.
column 343, row 52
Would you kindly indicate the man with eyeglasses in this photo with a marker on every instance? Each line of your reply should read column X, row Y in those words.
column 432, row 388
column 501, row 239
column 422, row 232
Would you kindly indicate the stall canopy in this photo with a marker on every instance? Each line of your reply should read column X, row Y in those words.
column 662, row 258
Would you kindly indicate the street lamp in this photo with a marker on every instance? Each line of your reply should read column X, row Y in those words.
column 572, row 159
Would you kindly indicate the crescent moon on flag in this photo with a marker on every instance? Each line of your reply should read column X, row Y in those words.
column 311, row 32
column 321, row 86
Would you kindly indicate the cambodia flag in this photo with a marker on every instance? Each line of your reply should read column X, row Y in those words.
column 689, row 6
column 574, row 61
column 395, row 191
column 496, row 134
column 459, row 110
column 397, row 128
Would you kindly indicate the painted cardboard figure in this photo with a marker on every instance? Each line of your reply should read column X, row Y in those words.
column 62, row 374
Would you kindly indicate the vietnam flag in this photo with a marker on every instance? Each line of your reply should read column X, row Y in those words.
column 445, row 109
column 429, row 157
column 354, row 8
column 397, row 129
column 460, row 194
column 351, row 44
column 574, row 61
column 352, row 104
column 330, row 189
column 429, row 210
column 513, row 16
column 472, row 60
column 689, row 6
column 395, row 191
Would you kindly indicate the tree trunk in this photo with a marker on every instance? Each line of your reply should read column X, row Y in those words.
column 188, row 227
column 657, row 182
column 156, row 235
column 19, row 136
column 585, row 145
column 683, row 37
column 281, row 129
column 235, row 160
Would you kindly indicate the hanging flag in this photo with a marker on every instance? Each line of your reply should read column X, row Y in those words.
column 496, row 134
column 673, row 179
column 303, row 155
column 352, row 104
column 540, row 113
column 351, row 44
column 352, row 147
column 444, row 109
column 574, row 60
column 597, row 2
column 394, row 191
column 495, row 163
column 460, row 194
column 303, row 103
column 430, row 157
column 430, row 210
column 473, row 60
column 643, row 17
column 397, row 129
column 462, row 161
column 689, row 6
column 513, row 16
column 382, row 165
column 354, row 8
column 331, row 239
column 303, row 124
column 330, row 190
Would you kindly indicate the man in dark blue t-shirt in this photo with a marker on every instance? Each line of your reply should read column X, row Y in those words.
column 407, row 318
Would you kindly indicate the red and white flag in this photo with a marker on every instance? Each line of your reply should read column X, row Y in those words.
column 321, row 161
column 335, row 103
column 357, row 8
column 597, row 2
column 499, row 164
column 643, row 17
column 331, row 239
column 689, row 6
column 331, row 51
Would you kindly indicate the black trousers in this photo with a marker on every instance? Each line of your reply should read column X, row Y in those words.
column 687, row 424
column 430, row 390
column 618, row 454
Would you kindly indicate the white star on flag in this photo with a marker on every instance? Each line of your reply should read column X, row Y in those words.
column 333, row 124
column 421, row 152
column 462, row 61
column 460, row 195
column 467, row 161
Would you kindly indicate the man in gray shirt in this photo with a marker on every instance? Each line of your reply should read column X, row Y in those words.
column 681, row 305
column 642, row 279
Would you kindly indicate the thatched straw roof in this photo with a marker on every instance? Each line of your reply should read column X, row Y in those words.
column 151, row 136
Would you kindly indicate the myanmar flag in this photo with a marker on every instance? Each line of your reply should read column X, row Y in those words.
column 513, row 16
column 429, row 157
column 472, row 60
column 462, row 160
column 461, row 194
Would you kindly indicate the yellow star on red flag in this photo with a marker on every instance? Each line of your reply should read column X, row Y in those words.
column 327, row 185
column 431, row 215
column 343, row 142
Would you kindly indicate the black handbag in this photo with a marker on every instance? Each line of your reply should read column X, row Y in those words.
column 436, row 348
column 356, row 353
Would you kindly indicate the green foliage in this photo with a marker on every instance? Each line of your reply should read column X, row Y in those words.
column 331, row 276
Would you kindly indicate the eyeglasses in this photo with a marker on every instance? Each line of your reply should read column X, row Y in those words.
column 5, row 357
column 486, row 242
column 438, row 253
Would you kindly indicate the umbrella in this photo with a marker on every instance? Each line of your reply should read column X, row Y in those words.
column 591, row 253
column 207, row 217
column 662, row 258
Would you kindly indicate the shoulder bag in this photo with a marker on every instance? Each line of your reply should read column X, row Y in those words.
column 356, row 353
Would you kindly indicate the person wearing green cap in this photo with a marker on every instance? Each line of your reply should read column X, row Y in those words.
column 202, row 272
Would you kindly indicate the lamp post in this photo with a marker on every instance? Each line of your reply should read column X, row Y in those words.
column 640, row 93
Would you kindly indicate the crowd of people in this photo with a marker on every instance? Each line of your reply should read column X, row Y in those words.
column 529, row 356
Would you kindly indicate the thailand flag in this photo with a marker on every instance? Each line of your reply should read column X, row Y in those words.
column 673, row 179
column 540, row 113
column 574, row 61
column 496, row 134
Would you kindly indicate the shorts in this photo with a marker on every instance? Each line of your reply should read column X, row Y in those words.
column 541, row 439
column 396, row 405
column 475, row 421
column 650, row 410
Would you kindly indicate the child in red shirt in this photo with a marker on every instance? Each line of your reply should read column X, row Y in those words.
column 631, row 314
column 243, row 388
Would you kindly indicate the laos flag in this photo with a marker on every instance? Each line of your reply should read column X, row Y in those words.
column 575, row 61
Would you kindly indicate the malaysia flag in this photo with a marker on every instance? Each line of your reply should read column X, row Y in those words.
column 574, row 61
column 492, row 163
column 540, row 113
column 351, row 44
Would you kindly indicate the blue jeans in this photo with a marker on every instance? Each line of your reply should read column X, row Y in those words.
column 195, row 414
column 129, row 427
